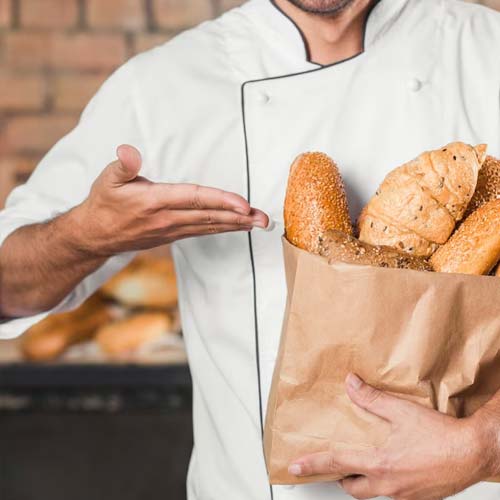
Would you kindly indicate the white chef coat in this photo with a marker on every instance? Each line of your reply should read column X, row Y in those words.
column 230, row 103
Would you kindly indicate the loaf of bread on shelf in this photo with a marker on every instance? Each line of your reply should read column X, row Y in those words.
column 418, row 204
column 488, row 184
column 147, row 282
column 127, row 335
column 52, row 336
column 341, row 247
column 474, row 248
column 315, row 201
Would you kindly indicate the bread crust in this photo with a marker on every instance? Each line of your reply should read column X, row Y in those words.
column 423, row 199
column 315, row 201
column 340, row 247
column 488, row 185
column 474, row 248
column 128, row 334
column 52, row 336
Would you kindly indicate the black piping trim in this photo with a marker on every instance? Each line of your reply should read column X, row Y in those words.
column 250, row 244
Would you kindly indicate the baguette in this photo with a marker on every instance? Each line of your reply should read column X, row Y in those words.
column 340, row 247
column 475, row 246
column 147, row 282
column 418, row 204
column 52, row 336
column 129, row 334
column 315, row 201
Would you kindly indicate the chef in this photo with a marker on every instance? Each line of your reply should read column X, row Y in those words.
column 190, row 143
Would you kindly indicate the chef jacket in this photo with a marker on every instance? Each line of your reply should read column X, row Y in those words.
column 230, row 104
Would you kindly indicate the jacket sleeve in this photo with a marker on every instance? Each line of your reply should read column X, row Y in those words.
column 63, row 178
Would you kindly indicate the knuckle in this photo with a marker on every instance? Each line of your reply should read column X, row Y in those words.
column 196, row 198
column 382, row 466
column 331, row 464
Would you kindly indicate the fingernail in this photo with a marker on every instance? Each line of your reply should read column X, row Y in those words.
column 259, row 223
column 295, row 469
column 354, row 381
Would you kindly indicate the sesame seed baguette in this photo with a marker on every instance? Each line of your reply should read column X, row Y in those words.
column 315, row 201
column 488, row 185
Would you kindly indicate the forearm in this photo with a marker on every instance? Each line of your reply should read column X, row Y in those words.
column 42, row 263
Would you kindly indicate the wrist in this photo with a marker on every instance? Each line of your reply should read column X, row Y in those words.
column 486, row 430
column 77, row 232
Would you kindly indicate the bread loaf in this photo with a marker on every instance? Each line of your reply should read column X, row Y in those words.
column 147, row 282
column 315, row 201
column 340, row 247
column 418, row 204
column 52, row 336
column 129, row 334
column 488, row 185
column 474, row 248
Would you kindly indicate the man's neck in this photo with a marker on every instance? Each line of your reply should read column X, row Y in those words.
column 331, row 39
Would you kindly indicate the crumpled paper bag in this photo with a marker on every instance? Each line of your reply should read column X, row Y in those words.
column 433, row 338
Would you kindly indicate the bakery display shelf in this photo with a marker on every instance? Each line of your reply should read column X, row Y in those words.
column 95, row 388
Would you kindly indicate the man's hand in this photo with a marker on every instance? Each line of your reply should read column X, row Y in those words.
column 41, row 263
column 127, row 212
column 428, row 455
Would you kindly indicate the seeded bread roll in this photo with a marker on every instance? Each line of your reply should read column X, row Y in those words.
column 340, row 247
column 315, row 201
column 488, row 185
column 474, row 248
column 129, row 334
column 52, row 336
column 418, row 204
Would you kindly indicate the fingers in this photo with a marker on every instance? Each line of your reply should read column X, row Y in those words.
column 178, row 218
column 377, row 402
column 341, row 462
column 192, row 196
column 358, row 487
column 128, row 165
column 203, row 230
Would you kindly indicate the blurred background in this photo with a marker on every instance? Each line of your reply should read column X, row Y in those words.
column 95, row 403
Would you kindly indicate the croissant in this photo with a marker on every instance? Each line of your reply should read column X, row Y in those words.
column 418, row 204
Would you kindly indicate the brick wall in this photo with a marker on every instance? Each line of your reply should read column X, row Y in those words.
column 54, row 54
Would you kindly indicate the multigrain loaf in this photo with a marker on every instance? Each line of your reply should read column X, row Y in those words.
column 315, row 201
column 474, row 248
column 418, row 204
column 488, row 185
column 340, row 247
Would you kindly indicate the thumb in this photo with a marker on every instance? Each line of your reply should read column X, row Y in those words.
column 128, row 165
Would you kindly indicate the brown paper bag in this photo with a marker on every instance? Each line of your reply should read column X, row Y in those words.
column 433, row 338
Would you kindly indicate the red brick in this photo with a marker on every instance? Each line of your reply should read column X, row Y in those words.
column 176, row 14
column 48, row 13
column 5, row 13
column 128, row 15
column 22, row 93
column 79, row 51
column 146, row 41
column 32, row 134
column 71, row 92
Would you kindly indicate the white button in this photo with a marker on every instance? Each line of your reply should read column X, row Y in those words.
column 415, row 84
column 264, row 98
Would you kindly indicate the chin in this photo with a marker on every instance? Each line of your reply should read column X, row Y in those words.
column 322, row 7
